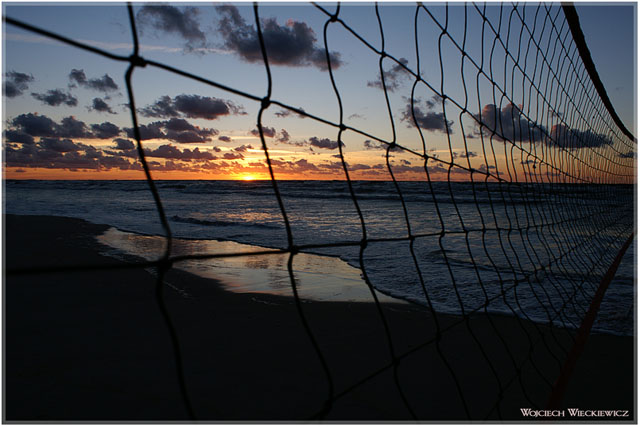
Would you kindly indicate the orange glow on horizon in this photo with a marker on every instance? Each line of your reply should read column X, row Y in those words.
column 59, row 174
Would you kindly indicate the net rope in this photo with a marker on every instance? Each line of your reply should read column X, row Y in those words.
column 542, row 235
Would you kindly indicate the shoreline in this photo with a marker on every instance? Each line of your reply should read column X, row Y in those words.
column 357, row 295
column 93, row 346
column 318, row 277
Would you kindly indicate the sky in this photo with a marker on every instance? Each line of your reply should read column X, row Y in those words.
column 66, row 111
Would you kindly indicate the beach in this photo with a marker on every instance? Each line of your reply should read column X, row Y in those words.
column 93, row 346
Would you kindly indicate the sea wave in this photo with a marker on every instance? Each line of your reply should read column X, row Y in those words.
column 219, row 223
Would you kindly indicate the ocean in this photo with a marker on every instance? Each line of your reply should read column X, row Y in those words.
column 532, row 250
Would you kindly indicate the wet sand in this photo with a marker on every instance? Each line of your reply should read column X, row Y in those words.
column 93, row 346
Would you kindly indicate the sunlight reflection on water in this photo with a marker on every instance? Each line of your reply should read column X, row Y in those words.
column 319, row 278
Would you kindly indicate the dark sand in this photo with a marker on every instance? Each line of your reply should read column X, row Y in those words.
column 93, row 346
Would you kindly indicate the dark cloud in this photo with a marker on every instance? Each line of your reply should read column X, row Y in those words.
column 325, row 143
column 174, row 129
column 59, row 145
column 124, row 144
column 162, row 108
column 464, row 154
column 243, row 148
column 18, row 136
column 286, row 113
column 170, row 19
column 187, row 137
column 509, row 124
column 65, row 154
column 332, row 166
column 293, row 44
column 359, row 167
column 573, row 139
column 284, row 136
column 171, row 152
column 283, row 113
column 105, row 130
column 433, row 102
column 371, row 145
column 16, row 83
column 78, row 76
column 35, row 125
column 486, row 169
column 70, row 127
column 179, row 125
column 103, row 84
column 302, row 165
column 628, row 155
column 56, row 97
column 427, row 120
column 170, row 166
column 224, row 138
column 326, row 168
column 150, row 131
column 202, row 107
column 233, row 156
column 393, row 77
column 191, row 106
column 180, row 130
column 98, row 104
column 266, row 131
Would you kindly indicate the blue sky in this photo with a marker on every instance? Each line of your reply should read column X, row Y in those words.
column 192, row 38
column 610, row 32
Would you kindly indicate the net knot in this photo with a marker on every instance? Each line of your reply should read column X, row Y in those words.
column 334, row 18
column 265, row 102
column 137, row 61
column 343, row 127
column 293, row 250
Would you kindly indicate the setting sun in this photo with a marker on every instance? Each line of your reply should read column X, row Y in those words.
column 248, row 178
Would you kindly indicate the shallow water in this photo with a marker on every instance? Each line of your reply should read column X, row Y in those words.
column 316, row 277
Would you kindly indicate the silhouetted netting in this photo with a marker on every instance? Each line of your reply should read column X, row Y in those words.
column 537, row 199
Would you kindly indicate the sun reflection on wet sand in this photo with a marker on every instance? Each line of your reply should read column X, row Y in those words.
column 319, row 278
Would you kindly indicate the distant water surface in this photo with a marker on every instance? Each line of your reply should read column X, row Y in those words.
column 473, row 242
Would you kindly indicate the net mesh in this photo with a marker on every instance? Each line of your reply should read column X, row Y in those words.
column 540, row 216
